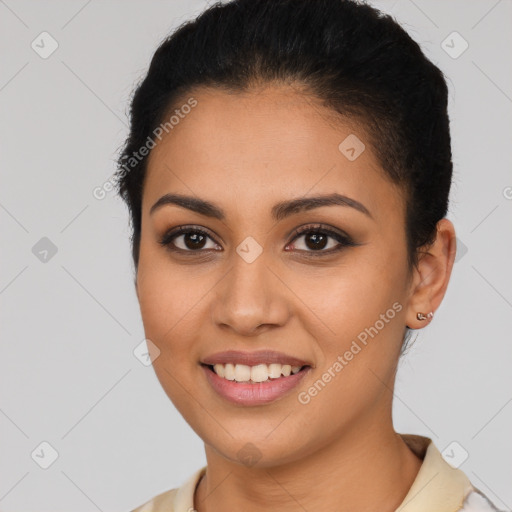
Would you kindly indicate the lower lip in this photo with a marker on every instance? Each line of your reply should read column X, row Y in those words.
column 254, row 394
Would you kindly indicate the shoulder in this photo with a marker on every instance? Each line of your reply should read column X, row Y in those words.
column 476, row 501
column 163, row 501
column 440, row 486
column 179, row 499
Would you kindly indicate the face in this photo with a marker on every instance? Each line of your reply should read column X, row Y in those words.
column 261, row 267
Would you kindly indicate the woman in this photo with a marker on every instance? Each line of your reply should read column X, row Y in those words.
column 287, row 172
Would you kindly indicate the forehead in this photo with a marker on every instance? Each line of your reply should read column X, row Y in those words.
column 272, row 142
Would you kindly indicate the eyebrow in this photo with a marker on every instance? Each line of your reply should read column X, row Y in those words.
column 279, row 211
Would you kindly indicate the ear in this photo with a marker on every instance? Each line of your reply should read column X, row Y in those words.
column 432, row 275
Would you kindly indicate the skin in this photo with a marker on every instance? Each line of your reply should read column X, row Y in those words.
column 245, row 152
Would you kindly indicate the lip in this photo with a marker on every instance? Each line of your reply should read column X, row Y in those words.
column 253, row 358
column 259, row 393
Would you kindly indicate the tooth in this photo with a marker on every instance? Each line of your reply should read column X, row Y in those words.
column 229, row 371
column 259, row 373
column 219, row 369
column 274, row 370
column 242, row 373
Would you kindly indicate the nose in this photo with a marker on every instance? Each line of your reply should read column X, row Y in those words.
column 250, row 298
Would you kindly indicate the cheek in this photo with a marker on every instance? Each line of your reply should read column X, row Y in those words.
column 168, row 311
column 350, row 297
column 358, row 313
column 167, row 300
column 157, row 299
column 358, row 339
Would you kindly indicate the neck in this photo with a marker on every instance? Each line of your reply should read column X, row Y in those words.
column 365, row 472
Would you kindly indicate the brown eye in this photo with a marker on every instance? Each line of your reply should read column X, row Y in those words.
column 187, row 240
column 318, row 238
column 315, row 241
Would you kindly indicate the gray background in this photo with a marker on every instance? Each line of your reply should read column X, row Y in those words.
column 69, row 325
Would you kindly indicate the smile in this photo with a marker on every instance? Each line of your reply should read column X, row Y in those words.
column 253, row 385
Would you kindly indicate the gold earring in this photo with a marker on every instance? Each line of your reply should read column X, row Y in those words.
column 421, row 316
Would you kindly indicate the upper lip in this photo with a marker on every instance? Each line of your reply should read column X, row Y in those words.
column 253, row 358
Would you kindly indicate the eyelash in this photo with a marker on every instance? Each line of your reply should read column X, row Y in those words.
column 344, row 240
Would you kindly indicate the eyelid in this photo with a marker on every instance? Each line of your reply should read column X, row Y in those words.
column 312, row 227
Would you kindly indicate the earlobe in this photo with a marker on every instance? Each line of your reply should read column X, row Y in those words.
column 421, row 317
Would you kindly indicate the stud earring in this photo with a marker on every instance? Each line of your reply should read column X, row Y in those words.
column 421, row 316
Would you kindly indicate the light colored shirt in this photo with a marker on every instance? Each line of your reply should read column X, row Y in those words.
column 438, row 487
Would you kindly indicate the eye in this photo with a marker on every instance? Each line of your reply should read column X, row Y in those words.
column 316, row 238
column 192, row 239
